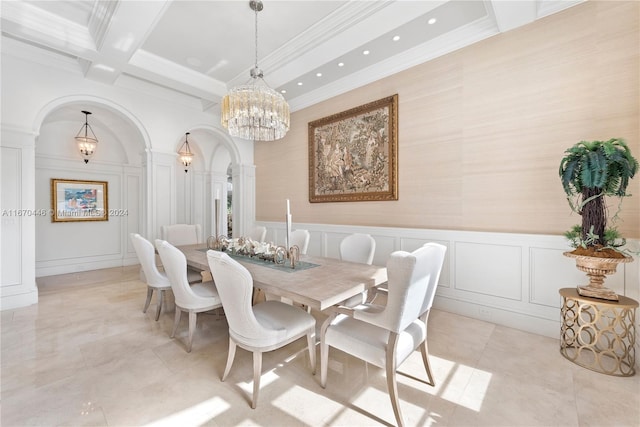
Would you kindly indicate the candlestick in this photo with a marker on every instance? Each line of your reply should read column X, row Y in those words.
column 288, row 243
column 288, row 225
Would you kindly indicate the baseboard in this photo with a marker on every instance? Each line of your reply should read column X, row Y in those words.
column 8, row 302
column 80, row 266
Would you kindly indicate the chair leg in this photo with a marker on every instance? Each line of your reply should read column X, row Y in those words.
column 425, row 359
column 148, row 301
column 230, row 356
column 160, row 301
column 176, row 321
column 311, row 342
column 257, row 371
column 192, row 328
column 392, row 384
column 424, row 350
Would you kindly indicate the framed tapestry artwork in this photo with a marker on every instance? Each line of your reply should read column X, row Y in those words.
column 76, row 200
column 353, row 155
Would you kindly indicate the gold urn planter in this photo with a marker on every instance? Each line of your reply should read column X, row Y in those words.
column 597, row 269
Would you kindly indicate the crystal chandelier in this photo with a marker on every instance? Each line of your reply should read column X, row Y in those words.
column 186, row 156
column 254, row 110
column 86, row 139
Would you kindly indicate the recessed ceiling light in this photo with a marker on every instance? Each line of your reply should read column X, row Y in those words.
column 318, row 74
column 283, row 91
column 365, row 52
column 396, row 38
column 432, row 21
column 299, row 83
column 340, row 64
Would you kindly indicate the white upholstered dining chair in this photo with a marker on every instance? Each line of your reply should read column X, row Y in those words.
column 361, row 248
column 156, row 280
column 193, row 299
column 386, row 336
column 263, row 327
column 301, row 238
column 184, row 234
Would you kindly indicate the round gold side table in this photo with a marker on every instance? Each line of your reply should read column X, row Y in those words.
column 599, row 334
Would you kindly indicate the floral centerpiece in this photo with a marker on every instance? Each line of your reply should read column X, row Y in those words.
column 248, row 247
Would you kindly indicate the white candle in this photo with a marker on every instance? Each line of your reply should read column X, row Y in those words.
column 288, row 225
column 217, row 194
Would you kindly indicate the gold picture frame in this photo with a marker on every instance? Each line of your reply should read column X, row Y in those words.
column 353, row 155
column 74, row 200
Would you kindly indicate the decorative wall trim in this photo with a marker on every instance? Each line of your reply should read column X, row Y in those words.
column 508, row 279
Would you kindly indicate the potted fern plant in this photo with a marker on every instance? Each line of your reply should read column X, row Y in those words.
column 590, row 171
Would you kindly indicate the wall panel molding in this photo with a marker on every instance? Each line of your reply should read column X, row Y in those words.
column 505, row 278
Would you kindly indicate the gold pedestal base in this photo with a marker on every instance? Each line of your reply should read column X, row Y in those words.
column 599, row 335
column 597, row 292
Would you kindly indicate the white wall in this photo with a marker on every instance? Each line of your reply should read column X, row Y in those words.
column 139, row 127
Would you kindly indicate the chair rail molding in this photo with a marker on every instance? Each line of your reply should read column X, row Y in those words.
column 503, row 278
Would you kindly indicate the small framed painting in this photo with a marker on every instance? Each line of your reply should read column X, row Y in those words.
column 75, row 200
column 353, row 155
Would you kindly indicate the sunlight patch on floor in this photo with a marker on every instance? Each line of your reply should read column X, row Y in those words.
column 266, row 378
column 458, row 378
column 476, row 390
column 198, row 414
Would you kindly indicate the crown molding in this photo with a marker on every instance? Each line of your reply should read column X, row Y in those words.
column 29, row 22
column 26, row 51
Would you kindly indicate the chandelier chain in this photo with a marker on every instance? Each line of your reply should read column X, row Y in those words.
column 256, row 35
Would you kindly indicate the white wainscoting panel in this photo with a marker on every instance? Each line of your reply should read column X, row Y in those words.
column 11, row 251
column 133, row 209
column 488, row 269
column 508, row 279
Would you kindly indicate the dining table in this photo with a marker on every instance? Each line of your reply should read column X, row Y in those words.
column 317, row 282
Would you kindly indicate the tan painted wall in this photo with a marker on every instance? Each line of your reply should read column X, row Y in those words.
column 482, row 130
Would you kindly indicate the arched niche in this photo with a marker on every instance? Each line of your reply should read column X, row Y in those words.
column 120, row 160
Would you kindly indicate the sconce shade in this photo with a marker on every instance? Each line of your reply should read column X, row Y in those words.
column 186, row 156
column 86, row 139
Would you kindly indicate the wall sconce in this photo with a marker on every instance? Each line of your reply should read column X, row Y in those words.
column 86, row 139
column 186, row 156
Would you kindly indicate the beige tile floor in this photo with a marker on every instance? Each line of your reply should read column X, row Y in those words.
column 87, row 355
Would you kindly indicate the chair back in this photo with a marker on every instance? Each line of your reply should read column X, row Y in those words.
column 435, row 263
column 301, row 238
column 235, row 287
column 413, row 278
column 258, row 234
column 182, row 234
column 147, row 257
column 175, row 264
column 358, row 247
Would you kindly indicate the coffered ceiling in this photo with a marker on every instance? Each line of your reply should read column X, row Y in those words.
column 203, row 48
